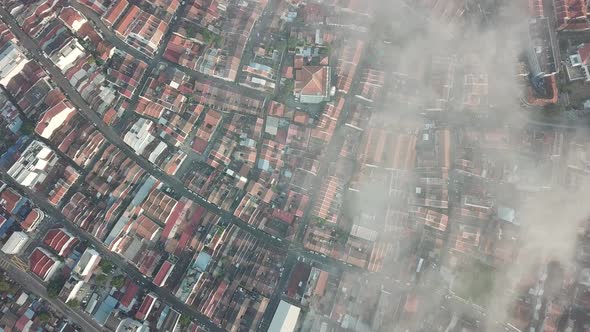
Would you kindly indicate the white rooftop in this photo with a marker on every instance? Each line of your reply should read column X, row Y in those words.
column 285, row 318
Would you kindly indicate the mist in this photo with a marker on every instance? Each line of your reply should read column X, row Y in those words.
column 490, row 39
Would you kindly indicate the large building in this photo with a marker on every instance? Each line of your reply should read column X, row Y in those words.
column 571, row 15
column 15, row 243
column 34, row 164
column 60, row 240
column 43, row 264
column 312, row 84
column 285, row 318
column 87, row 263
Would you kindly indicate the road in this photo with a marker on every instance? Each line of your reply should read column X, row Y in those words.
column 30, row 283
column 129, row 270
column 113, row 138
column 110, row 36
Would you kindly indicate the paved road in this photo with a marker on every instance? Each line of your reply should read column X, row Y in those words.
column 113, row 138
column 129, row 270
column 110, row 36
column 116, row 140
column 33, row 285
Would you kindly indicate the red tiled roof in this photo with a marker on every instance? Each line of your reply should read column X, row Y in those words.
column 40, row 262
column 31, row 219
column 320, row 286
column 163, row 274
column 146, row 307
column 131, row 290
column 9, row 199
column 571, row 14
column 584, row 52
column 60, row 240
column 115, row 11
column 312, row 80
column 300, row 274
column 284, row 216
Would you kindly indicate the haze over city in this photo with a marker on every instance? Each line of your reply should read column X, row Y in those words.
column 294, row 165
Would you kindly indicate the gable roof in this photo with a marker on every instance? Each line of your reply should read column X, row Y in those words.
column 584, row 52
column 60, row 240
column 41, row 262
column 9, row 199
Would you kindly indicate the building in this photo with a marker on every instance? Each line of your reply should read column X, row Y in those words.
column 54, row 119
column 285, row 318
column 312, row 84
column 33, row 165
column 146, row 307
column 16, row 242
column 571, row 15
column 60, row 240
column 32, row 220
column 577, row 63
column 10, row 200
column 87, row 263
column 43, row 264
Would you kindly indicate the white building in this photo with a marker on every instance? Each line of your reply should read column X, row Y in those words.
column 87, row 263
column 139, row 136
column 33, row 165
column 15, row 243
column 285, row 318
column 577, row 64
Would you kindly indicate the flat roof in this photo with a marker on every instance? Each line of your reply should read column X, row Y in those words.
column 285, row 318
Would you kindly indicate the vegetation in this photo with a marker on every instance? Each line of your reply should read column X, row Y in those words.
column 292, row 43
column 106, row 266
column 100, row 279
column 44, row 317
column 74, row 304
column 118, row 281
column 475, row 282
column 212, row 38
column 55, row 286
column 191, row 32
column 5, row 286
column 184, row 320
column 27, row 128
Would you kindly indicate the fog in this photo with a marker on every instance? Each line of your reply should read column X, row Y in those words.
column 494, row 41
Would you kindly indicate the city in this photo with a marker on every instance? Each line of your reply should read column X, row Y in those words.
column 295, row 165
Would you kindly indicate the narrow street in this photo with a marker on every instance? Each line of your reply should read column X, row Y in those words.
column 30, row 283
column 129, row 270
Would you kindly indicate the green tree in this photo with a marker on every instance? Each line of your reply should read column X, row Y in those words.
column 27, row 128
column 44, row 317
column 184, row 320
column 5, row 286
column 55, row 286
column 106, row 266
column 74, row 304
column 100, row 279
column 118, row 281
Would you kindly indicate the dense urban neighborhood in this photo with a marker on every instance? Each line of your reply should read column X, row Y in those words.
column 295, row 165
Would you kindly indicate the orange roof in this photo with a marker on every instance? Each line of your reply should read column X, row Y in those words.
column 312, row 80
column 116, row 11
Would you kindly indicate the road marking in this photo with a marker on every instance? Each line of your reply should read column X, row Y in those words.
column 19, row 263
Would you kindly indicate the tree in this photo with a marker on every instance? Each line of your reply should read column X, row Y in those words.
column 191, row 32
column 5, row 286
column 184, row 320
column 55, row 286
column 106, row 266
column 27, row 128
column 44, row 317
column 100, row 279
column 74, row 304
column 118, row 281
